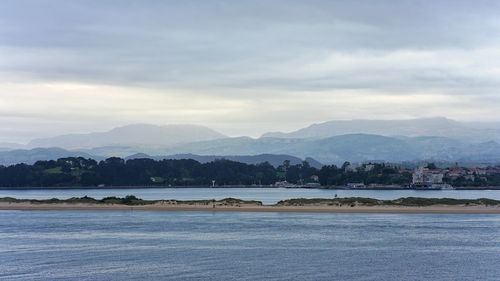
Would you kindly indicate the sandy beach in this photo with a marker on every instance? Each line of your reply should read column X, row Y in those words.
column 26, row 206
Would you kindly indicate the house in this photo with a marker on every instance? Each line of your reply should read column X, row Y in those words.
column 492, row 170
column 157, row 179
column 455, row 173
column 315, row 178
column 479, row 171
column 369, row 167
column 425, row 176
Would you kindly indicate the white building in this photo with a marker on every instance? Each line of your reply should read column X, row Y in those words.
column 423, row 175
column 369, row 167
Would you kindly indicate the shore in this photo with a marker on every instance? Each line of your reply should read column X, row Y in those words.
column 231, row 186
column 438, row 209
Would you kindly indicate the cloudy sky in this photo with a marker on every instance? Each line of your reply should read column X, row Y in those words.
column 243, row 67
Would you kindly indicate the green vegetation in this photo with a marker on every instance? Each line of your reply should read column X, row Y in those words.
column 131, row 200
column 55, row 170
column 78, row 171
column 408, row 202
column 127, row 200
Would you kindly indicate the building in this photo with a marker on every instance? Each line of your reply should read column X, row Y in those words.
column 425, row 178
column 157, row 179
column 455, row 173
column 423, row 175
column 356, row 185
column 479, row 171
column 369, row 167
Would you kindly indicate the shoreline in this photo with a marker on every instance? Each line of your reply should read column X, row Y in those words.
column 383, row 209
column 485, row 188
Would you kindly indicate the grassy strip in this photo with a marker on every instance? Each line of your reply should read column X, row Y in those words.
column 407, row 201
column 129, row 200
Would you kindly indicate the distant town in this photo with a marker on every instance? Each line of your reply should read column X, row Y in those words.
column 432, row 177
column 117, row 172
column 426, row 177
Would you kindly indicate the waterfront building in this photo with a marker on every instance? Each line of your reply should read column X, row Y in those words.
column 356, row 185
column 424, row 175
column 425, row 178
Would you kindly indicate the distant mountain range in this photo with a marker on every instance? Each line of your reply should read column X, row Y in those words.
column 273, row 159
column 30, row 156
column 352, row 147
column 132, row 135
column 430, row 139
column 439, row 127
column 336, row 150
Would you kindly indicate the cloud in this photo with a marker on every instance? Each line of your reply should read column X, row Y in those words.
column 244, row 67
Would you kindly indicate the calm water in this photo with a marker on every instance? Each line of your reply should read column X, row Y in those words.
column 266, row 195
column 86, row 245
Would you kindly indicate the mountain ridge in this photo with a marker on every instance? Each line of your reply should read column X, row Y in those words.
column 436, row 126
column 396, row 141
column 30, row 156
column 352, row 147
column 333, row 150
column 135, row 134
column 273, row 159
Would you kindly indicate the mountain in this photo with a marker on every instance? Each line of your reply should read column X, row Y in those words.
column 333, row 150
column 354, row 147
column 359, row 148
column 5, row 146
column 121, row 151
column 31, row 156
column 273, row 159
column 350, row 147
column 431, row 139
column 439, row 127
column 235, row 146
column 487, row 152
column 132, row 135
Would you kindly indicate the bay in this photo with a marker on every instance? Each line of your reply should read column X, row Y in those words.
column 130, row 245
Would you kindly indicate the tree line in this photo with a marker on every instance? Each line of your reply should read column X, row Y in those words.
column 78, row 171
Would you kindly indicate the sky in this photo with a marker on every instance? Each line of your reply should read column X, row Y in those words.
column 243, row 67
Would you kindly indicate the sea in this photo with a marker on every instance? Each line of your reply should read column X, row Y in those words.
column 148, row 245
column 145, row 245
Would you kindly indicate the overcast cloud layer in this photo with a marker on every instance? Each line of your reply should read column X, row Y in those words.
column 243, row 67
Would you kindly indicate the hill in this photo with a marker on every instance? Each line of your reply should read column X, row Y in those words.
column 333, row 150
column 352, row 147
column 273, row 159
column 439, row 127
column 132, row 135
column 30, row 156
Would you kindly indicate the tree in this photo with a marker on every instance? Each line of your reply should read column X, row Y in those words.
column 345, row 166
column 431, row 166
